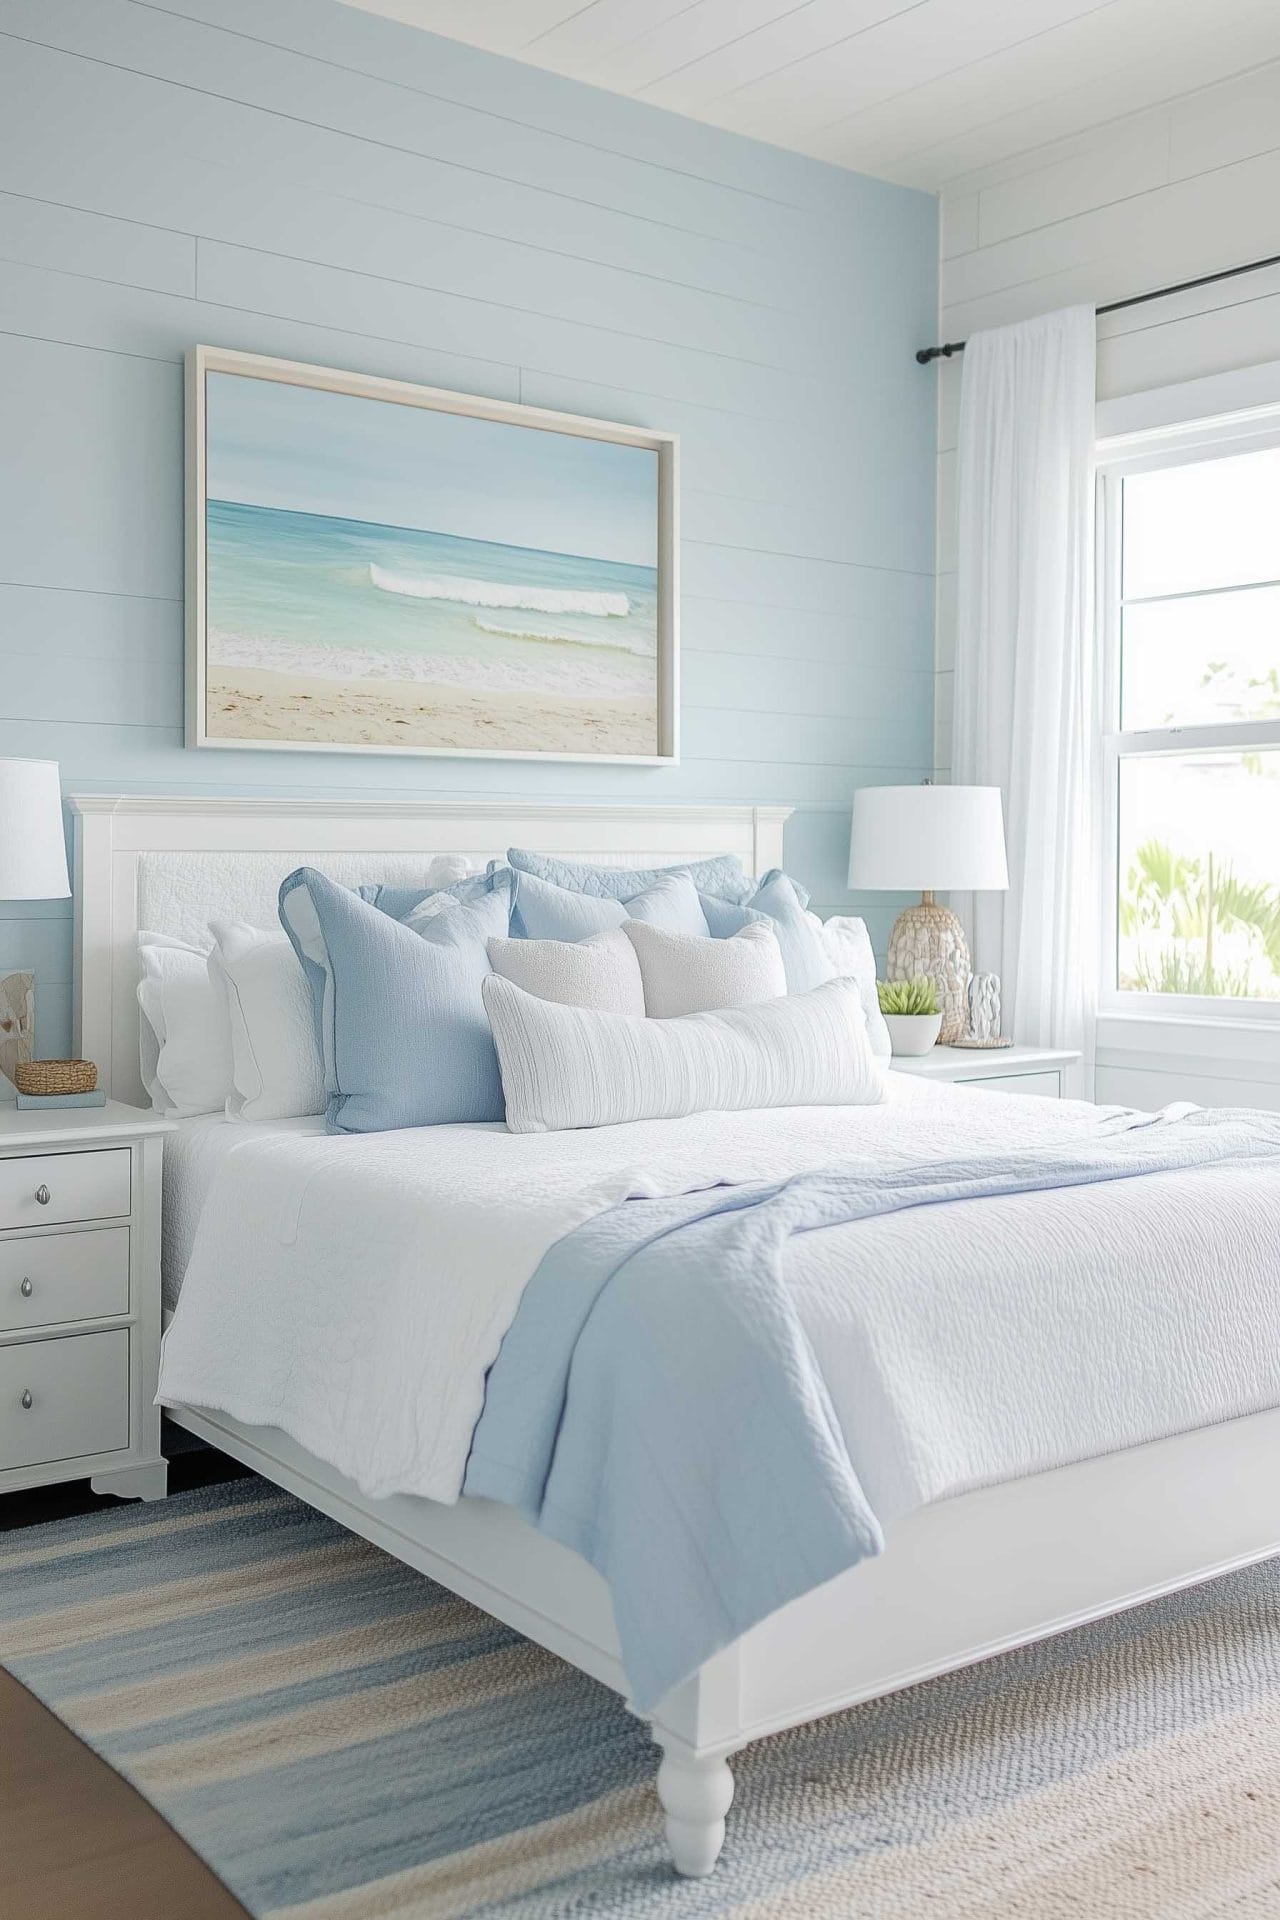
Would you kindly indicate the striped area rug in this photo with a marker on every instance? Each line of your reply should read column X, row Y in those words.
column 342, row 1740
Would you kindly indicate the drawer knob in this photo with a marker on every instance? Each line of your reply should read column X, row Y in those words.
column 42, row 1195
column 25, row 1289
column 26, row 1399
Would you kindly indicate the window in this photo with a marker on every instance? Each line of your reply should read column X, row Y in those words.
column 1190, row 619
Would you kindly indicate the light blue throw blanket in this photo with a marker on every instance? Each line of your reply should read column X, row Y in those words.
column 656, row 1404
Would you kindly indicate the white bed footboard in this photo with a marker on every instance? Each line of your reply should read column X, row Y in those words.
column 959, row 1581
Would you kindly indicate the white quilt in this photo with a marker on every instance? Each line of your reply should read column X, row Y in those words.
column 353, row 1291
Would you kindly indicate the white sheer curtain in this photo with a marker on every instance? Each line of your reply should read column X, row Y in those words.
column 1024, row 685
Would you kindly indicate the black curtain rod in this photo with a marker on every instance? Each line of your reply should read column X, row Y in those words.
column 926, row 354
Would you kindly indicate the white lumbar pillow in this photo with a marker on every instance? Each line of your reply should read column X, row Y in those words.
column 184, row 1035
column 573, row 1067
column 685, row 973
column 277, row 1072
column 848, row 948
column 601, row 971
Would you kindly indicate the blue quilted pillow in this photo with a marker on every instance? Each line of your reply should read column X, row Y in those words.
column 722, row 876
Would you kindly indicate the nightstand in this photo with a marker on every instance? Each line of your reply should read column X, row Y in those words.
column 80, row 1298
column 1048, row 1071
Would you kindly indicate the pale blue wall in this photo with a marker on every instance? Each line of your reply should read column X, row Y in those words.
column 297, row 177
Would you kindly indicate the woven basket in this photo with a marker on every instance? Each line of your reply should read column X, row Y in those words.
column 55, row 1076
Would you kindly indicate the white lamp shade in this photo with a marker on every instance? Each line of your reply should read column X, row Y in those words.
column 928, row 839
column 33, row 854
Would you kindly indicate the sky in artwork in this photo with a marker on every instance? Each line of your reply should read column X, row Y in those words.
column 306, row 450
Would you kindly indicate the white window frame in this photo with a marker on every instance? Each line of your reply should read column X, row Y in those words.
column 1122, row 454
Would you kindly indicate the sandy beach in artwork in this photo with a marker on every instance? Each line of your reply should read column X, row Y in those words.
column 252, row 703
column 327, row 631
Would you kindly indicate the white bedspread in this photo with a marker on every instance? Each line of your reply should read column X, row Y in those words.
column 354, row 1291
column 193, row 1153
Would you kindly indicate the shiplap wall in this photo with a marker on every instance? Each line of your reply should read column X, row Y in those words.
column 1147, row 201
column 295, row 177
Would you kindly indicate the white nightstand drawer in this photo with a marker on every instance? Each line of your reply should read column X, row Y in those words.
column 44, row 1189
column 1047, row 1085
column 63, row 1276
column 62, row 1399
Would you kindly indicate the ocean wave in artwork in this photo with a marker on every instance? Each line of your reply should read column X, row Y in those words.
column 496, row 593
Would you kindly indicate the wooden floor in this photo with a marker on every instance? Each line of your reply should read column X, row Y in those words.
column 76, row 1841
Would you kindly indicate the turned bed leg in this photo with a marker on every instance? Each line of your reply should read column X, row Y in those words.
column 695, row 1795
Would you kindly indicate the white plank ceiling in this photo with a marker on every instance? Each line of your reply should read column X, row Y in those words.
column 918, row 91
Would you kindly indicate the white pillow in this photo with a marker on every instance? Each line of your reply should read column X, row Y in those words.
column 848, row 947
column 601, row 971
column 683, row 973
column 277, row 1072
column 184, row 1037
column 573, row 1067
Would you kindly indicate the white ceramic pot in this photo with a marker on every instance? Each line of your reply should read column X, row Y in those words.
column 913, row 1033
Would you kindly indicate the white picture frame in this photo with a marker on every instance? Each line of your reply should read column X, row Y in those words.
column 208, row 727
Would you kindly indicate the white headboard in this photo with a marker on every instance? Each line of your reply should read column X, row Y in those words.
column 170, row 863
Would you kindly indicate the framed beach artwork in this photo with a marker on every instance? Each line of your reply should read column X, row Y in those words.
column 376, row 567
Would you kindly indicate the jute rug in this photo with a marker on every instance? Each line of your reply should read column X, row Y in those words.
column 342, row 1740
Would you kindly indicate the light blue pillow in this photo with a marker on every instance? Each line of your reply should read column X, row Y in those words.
column 724, row 918
column 403, row 1032
column 722, row 876
column 400, row 902
column 540, row 910
column 782, row 903
column 803, row 955
column 671, row 903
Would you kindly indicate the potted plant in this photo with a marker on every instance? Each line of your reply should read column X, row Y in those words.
column 911, row 1013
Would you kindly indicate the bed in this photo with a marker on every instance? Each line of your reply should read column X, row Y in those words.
column 981, row 1553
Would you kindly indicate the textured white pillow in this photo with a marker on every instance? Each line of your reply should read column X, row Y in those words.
column 572, row 1067
column 683, row 973
column 277, row 1071
column 848, row 948
column 184, row 1035
column 601, row 971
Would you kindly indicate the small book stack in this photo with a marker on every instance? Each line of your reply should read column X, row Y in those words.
column 49, row 1102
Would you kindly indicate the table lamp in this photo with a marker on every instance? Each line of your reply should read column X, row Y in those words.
column 934, row 839
column 33, row 866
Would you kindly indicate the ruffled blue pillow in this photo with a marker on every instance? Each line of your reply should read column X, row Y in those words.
column 404, row 1036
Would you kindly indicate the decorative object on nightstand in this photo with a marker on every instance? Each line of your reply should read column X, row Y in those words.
column 983, row 1029
column 17, row 1021
column 80, row 1299
column 934, row 839
column 910, row 1009
column 45, row 1084
column 33, row 866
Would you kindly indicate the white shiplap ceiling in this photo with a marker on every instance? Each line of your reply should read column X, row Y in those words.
column 918, row 91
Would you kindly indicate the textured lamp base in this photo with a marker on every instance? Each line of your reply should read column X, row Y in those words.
column 929, row 939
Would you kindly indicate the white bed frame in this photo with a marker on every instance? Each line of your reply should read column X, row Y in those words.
column 959, row 1581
